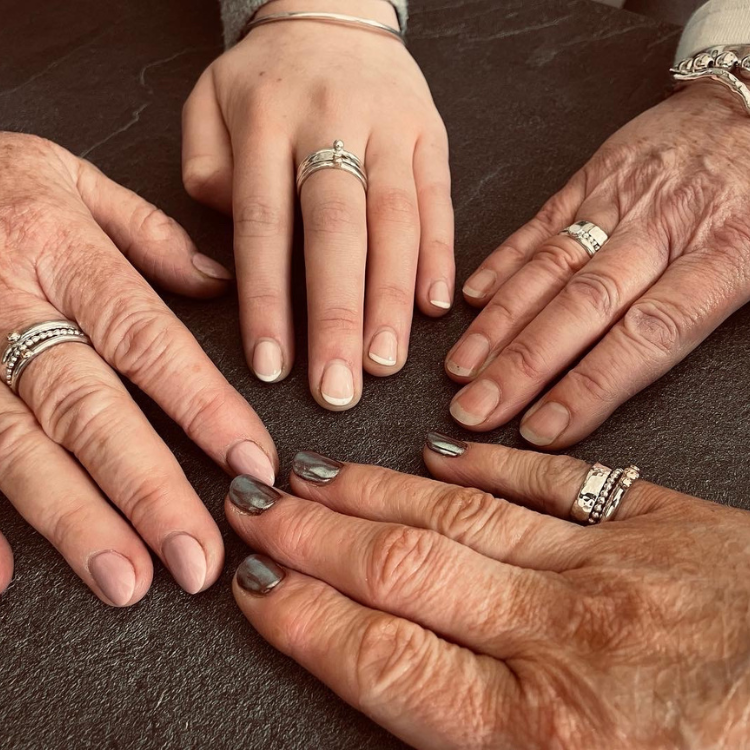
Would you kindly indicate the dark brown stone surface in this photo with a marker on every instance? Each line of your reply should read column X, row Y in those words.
column 528, row 90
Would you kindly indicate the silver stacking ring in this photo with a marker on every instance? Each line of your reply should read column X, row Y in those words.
column 588, row 235
column 602, row 493
column 331, row 158
column 24, row 346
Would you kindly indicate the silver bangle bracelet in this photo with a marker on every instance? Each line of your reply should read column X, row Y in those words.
column 724, row 65
column 338, row 18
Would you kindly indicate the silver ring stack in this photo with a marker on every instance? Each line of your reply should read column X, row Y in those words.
column 331, row 158
column 588, row 235
column 602, row 493
column 25, row 345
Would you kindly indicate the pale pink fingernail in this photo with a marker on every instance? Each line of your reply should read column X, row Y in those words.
column 543, row 425
column 114, row 575
column 474, row 404
column 384, row 348
column 470, row 355
column 267, row 360
column 209, row 267
column 249, row 458
column 186, row 560
column 440, row 295
column 480, row 284
column 337, row 384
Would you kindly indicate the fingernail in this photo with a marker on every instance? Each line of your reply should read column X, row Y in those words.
column 259, row 574
column 114, row 575
column 209, row 267
column 252, row 496
column 312, row 467
column 479, row 284
column 543, row 425
column 186, row 561
column 248, row 457
column 470, row 355
column 267, row 361
column 337, row 384
column 384, row 348
column 474, row 404
column 444, row 445
column 440, row 295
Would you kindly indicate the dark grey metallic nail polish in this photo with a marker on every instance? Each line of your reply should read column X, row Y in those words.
column 252, row 496
column 312, row 467
column 445, row 446
column 259, row 575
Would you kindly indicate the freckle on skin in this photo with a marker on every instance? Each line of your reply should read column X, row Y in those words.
column 261, row 74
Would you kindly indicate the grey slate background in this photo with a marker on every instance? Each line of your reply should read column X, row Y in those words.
column 515, row 81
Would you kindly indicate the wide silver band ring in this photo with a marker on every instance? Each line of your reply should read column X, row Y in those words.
column 588, row 235
column 601, row 494
column 24, row 346
column 331, row 158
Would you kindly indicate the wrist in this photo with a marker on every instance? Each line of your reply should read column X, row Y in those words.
column 374, row 10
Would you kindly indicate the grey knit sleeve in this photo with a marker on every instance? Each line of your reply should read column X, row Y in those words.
column 235, row 13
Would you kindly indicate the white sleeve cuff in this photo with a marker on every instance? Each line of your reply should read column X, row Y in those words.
column 717, row 22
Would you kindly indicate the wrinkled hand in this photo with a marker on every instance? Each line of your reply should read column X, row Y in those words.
column 459, row 620
column 290, row 89
column 672, row 189
column 61, row 224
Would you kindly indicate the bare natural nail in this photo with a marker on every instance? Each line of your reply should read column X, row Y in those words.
column 469, row 356
column 384, row 348
column 475, row 403
column 186, row 560
column 544, row 424
column 114, row 575
column 480, row 284
column 267, row 360
column 247, row 457
column 337, row 384
column 211, row 268
column 440, row 295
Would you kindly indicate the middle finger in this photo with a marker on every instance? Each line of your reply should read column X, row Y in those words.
column 334, row 214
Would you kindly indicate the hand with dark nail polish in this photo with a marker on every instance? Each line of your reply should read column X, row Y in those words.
column 456, row 618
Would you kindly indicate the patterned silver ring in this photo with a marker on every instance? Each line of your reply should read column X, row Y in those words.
column 24, row 346
column 331, row 158
column 588, row 235
column 601, row 494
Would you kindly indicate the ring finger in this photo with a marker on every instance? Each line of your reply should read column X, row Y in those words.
column 334, row 213
column 525, row 294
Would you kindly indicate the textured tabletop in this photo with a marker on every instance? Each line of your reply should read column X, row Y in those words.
column 529, row 89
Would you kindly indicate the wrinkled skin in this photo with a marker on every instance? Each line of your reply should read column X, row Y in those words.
column 284, row 92
column 670, row 188
column 70, row 243
column 459, row 620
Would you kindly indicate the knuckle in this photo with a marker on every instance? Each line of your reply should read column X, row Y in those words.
column 150, row 222
column 559, row 259
column 140, row 342
column 144, row 497
column 511, row 253
column 257, row 218
column 501, row 310
column 525, row 360
column 657, row 325
column 205, row 408
column 397, row 561
column 598, row 292
column 464, row 513
column 391, row 654
column 333, row 216
column 337, row 319
column 595, row 382
column 554, row 214
column 394, row 296
column 66, row 523
column 394, row 206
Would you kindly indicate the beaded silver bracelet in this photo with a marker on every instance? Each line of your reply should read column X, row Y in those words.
column 725, row 65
